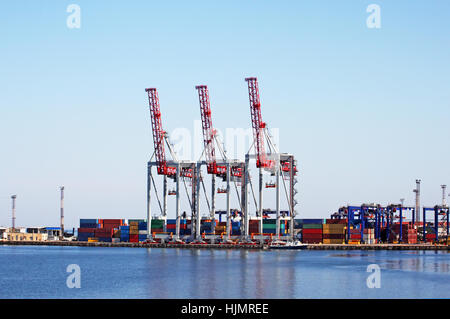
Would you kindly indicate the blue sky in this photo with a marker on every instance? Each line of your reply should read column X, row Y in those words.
column 365, row 111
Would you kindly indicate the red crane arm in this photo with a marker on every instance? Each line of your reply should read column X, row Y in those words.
column 208, row 129
column 208, row 135
column 158, row 133
column 257, row 123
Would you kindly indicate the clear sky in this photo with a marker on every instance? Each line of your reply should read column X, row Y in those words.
column 365, row 111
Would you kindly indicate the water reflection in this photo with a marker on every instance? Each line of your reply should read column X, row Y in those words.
column 201, row 273
column 428, row 262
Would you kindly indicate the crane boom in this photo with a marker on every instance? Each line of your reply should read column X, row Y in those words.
column 158, row 133
column 209, row 134
column 257, row 124
column 207, row 127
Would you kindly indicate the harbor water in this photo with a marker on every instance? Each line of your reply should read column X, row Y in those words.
column 42, row 272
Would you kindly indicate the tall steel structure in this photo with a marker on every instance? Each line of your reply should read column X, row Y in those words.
column 281, row 165
column 444, row 195
column 277, row 163
column 225, row 169
column 62, row 212
column 13, row 197
column 417, row 191
column 174, row 169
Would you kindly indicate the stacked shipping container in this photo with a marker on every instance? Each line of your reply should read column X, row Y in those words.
column 100, row 229
column 409, row 234
column 334, row 233
column 312, row 232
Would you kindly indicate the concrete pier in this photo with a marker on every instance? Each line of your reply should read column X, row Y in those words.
column 252, row 246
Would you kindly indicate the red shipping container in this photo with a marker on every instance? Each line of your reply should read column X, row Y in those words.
column 113, row 221
column 312, row 236
column 336, row 221
column 333, row 236
column 312, row 231
column 87, row 230
column 101, row 232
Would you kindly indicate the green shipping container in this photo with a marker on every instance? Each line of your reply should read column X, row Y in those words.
column 137, row 220
column 157, row 222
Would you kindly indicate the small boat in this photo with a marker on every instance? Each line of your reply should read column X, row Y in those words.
column 288, row 245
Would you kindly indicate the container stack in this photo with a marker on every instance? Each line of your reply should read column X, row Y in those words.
column 355, row 236
column 157, row 225
column 269, row 226
column 336, row 221
column 206, row 226
column 369, row 236
column 186, row 226
column 333, row 233
column 409, row 234
column 284, row 227
column 221, row 228
column 312, row 231
column 142, row 228
column 89, row 223
column 171, row 226
column 124, row 233
column 134, row 230
column 85, row 233
column 104, row 234
column 253, row 226
column 236, row 228
column 87, row 229
column 430, row 237
column 111, row 223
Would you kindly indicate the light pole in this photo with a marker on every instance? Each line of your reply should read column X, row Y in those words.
column 13, row 197
column 417, row 191
column 61, row 236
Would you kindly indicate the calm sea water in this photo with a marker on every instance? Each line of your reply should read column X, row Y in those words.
column 40, row 272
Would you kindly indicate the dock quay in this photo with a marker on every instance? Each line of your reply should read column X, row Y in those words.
column 252, row 246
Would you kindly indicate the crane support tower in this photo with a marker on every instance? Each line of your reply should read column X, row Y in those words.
column 278, row 164
column 225, row 168
column 176, row 170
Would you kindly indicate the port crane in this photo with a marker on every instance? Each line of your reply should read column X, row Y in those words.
column 224, row 168
column 174, row 169
column 273, row 161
